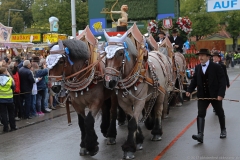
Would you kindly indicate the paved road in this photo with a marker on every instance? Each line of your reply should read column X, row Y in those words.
column 53, row 139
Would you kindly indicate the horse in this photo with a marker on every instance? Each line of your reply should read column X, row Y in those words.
column 138, row 84
column 75, row 63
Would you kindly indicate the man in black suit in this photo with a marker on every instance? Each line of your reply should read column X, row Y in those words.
column 217, row 59
column 161, row 37
column 177, row 40
column 210, row 81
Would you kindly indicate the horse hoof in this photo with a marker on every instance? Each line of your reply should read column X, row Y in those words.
column 128, row 155
column 156, row 138
column 94, row 152
column 111, row 141
column 139, row 147
column 121, row 123
column 83, row 152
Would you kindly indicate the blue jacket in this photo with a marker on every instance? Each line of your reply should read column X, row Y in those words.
column 41, row 85
column 20, row 65
column 26, row 80
column 7, row 100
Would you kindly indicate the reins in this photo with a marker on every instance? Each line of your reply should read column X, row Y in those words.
column 59, row 78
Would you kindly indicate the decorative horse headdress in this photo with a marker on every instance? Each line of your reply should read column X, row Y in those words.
column 114, row 44
column 57, row 52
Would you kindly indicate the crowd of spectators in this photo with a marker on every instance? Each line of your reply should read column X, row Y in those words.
column 230, row 58
column 31, row 95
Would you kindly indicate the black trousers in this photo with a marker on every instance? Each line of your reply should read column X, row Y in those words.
column 7, row 112
column 18, row 106
column 203, row 105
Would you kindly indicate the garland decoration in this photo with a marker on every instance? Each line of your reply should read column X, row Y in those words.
column 152, row 27
column 184, row 24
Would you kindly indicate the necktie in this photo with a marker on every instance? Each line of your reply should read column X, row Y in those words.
column 203, row 65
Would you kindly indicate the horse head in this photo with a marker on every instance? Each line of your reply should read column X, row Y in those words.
column 66, row 57
column 120, row 51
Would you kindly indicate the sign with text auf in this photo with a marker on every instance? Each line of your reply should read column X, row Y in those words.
column 25, row 37
column 222, row 5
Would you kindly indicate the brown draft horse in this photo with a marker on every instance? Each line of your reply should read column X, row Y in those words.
column 72, row 62
column 125, row 74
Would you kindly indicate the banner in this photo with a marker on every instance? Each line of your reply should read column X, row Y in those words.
column 222, row 5
column 5, row 33
column 53, row 37
column 25, row 37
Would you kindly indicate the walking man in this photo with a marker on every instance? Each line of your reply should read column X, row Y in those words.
column 211, row 83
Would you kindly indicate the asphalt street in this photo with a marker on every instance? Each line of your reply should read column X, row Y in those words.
column 50, row 137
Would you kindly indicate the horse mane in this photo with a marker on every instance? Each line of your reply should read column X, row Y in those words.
column 131, row 47
column 77, row 49
column 150, row 47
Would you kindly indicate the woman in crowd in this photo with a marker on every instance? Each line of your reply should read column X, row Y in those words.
column 6, row 100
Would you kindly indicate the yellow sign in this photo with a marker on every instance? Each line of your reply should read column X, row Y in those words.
column 62, row 36
column 53, row 37
column 25, row 37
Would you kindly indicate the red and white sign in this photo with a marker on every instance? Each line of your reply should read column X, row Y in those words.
column 167, row 23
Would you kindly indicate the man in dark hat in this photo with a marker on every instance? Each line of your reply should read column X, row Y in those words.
column 217, row 59
column 161, row 37
column 177, row 41
column 211, row 83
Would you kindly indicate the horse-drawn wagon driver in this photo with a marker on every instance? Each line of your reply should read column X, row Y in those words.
column 177, row 41
column 161, row 37
column 210, row 81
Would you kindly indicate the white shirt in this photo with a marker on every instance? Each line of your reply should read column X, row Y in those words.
column 174, row 38
column 204, row 68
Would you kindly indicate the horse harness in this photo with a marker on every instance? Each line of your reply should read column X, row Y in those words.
column 81, row 81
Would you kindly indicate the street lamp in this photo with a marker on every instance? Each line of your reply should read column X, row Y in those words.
column 16, row 10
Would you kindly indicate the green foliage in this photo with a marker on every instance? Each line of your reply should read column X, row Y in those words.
column 61, row 10
column 17, row 19
column 203, row 23
column 137, row 9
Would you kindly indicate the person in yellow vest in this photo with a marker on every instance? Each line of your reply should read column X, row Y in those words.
column 6, row 100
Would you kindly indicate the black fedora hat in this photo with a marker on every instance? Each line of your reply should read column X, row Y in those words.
column 174, row 31
column 216, row 53
column 161, row 32
column 204, row 51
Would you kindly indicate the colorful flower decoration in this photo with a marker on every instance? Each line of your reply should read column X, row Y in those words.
column 185, row 24
column 152, row 27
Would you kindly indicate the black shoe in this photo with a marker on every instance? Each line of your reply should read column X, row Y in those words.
column 5, row 129
column 28, row 117
column 223, row 127
column 198, row 137
column 13, row 129
column 45, row 111
column 223, row 133
column 200, row 127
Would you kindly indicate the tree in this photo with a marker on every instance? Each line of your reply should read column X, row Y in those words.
column 17, row 19
column 232, row 19
column 61, row 10
column 203, row 23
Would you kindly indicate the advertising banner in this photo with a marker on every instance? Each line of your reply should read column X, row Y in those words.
column 5, row 33
column 26, row 37
column 53, row 37
column 222, row 5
